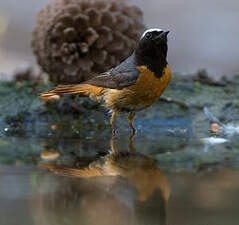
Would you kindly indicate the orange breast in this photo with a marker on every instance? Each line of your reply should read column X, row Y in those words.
column 144, row 93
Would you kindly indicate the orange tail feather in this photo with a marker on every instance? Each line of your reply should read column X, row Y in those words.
column 85, row 89
column 67, row 171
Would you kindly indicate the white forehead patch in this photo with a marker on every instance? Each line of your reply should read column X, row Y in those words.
column 150, row 30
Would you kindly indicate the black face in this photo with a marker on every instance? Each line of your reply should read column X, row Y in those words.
column 152, row 50
column 155, row 40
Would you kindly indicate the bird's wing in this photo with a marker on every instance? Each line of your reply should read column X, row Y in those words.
column 124, row 75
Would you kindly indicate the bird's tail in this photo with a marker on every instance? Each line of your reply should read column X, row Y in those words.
column 85, row 89
column 67, row 171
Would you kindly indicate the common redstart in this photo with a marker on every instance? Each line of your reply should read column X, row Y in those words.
column 133, row 85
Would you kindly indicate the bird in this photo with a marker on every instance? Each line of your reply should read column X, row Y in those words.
column 134, row 85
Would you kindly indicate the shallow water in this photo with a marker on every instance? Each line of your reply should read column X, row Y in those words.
column 166, row 175
column 31, row 196
column 176, row 143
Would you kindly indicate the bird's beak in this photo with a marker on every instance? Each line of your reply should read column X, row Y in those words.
column 165, row 33
column 163, row 36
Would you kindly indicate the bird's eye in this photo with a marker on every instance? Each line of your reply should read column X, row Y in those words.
column 148, row 35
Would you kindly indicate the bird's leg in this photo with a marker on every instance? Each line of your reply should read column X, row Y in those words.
column 130, row 122
column 113, row 146
column 131, row 143
column 112, row 121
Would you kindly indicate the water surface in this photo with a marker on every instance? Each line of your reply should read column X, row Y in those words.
column 32, row 196
column 165, row 175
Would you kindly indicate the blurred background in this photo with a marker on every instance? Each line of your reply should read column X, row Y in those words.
column 204, row 34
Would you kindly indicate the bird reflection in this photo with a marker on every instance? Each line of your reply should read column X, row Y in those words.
column 119, row 188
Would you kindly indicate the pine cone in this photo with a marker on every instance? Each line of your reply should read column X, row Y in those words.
column 77, row 39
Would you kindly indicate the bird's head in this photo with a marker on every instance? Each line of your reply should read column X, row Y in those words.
column 154, row 41
column 152, row 48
